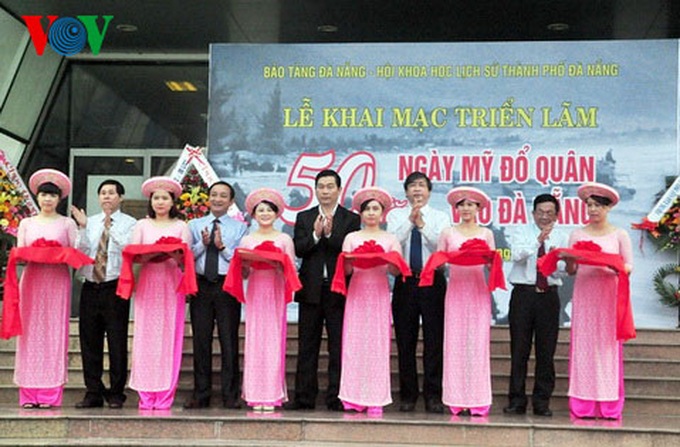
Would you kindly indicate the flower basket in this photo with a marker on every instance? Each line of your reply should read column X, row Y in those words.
column 14, row 206
column 665, row 235
column 193, row 202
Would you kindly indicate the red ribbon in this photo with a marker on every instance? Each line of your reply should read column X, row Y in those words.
column 645, row 224
column 195, row 153
column 471, row 252
column 367, row 255
column 165, row 245
column 590, row 253
column 41, row 251
column 266, row 251
column 648, row 226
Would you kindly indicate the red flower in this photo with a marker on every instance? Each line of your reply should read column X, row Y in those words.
column 169, row 240
column 268, row 246
column 42, row 242
column 369, row 246
column 474, row 244
column 587, row 245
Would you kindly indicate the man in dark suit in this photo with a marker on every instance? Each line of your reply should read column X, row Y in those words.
column 319, row 233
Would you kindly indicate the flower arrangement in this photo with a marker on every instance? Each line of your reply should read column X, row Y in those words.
column 193, row 201
column 665, row 235
column 13, row 206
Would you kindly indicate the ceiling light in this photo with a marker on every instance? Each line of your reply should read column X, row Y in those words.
column 126, row 27
column 129, row 160
column 180, row 86
column 327, row 29
column 558, row 27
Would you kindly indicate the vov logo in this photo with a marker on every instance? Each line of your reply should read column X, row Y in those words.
column 67, row 35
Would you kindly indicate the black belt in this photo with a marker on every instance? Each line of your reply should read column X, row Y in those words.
column 220, row 279
column 534, row 288
column 101, row 285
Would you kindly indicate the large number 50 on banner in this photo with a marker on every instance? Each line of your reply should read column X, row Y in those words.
column 358, row 170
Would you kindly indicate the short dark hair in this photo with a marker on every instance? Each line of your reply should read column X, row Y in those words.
column 542, row 198
column 461, row 201
column 601, row 200
column 266, row 202
column 365, row 203
column 417, row 175
column 328, row 173
column 120, row 189
column 222, row 182
column 49, row 188
column 174, row 212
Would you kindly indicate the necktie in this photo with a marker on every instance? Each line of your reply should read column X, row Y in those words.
column 541, row 281
column 99, row 269
column 416, row 255
column 211, row 256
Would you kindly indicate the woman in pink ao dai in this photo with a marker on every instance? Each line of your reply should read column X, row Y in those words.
column 466, row 376
column 366, row 333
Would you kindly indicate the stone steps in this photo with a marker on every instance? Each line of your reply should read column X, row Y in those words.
column 499, row 363
column 639, row 385
column 209, row 427
column 652, row 362
column 651, row 417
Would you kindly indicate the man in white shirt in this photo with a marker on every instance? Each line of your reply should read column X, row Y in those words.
column 419, row 225
column 102, row 312
column 534, row 307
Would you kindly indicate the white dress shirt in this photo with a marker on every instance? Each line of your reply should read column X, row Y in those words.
column 88, row 238
column 436, row 221
column 524, row 245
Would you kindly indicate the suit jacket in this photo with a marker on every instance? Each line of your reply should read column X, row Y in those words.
column 315, row 255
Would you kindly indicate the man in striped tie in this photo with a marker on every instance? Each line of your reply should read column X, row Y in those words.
column 102, row 312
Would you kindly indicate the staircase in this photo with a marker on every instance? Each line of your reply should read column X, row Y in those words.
column 652, row 412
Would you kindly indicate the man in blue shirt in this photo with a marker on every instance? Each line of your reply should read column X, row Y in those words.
column 214, row 239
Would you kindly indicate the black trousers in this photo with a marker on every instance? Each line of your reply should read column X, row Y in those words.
column 212, row 305
column 410, row 303
column 104, row 314
column 330, row 310
column 533, row 314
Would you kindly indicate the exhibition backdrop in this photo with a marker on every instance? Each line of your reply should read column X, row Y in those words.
column 515, row 119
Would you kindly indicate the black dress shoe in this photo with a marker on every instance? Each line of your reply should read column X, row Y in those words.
column 434, row 406
column 407, row 407
column 115, row 401
column 193, row 404
column 89, row 402
column 335, row 406
column 231, row 404
column 295, row 405
column 515, row 409
column 547, row 412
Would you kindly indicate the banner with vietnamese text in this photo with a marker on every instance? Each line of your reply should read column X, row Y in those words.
column 514, row 119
